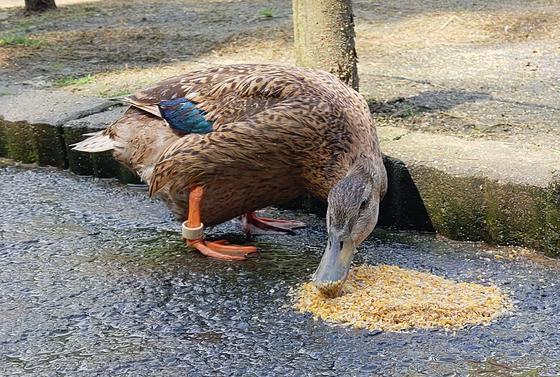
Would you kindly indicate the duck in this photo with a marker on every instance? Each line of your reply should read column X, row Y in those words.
column 223, row 142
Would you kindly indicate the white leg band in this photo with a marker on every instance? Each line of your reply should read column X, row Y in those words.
column 192, row 233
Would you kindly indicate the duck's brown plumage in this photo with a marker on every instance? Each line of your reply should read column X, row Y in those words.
column 278, row 131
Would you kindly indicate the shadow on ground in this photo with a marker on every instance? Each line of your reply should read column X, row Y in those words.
column 426, row 102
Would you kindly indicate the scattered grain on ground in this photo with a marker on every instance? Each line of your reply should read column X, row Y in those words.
column 391, row 298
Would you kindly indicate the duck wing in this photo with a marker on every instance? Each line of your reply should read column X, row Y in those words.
column 264, row 118
column 267, row 143
column 203, row 101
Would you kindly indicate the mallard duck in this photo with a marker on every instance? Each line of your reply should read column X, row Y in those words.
column 224, row 142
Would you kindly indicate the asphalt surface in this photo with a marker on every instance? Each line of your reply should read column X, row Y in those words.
column 95, row 281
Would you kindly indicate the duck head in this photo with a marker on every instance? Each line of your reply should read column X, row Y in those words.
column 353, row 207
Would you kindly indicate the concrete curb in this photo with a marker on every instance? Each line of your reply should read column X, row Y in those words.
column 433, row 182
column 483, row 190
column 42, row 134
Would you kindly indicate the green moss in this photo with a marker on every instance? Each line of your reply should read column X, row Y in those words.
column 455, row 205
column 480, row 209
column 550, row 219
column 512, row 214
column 78, row 162
column 3, row 152
column 18, row 142
column 524, row 215
column 49, row 146
column 38, row 143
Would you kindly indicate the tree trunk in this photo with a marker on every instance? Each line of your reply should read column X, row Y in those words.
column 32, row 6
column 324, row 37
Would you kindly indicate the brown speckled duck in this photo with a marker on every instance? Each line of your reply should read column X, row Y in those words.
column 223, row 142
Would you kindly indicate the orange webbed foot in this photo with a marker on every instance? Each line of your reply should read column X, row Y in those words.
column 193, row 233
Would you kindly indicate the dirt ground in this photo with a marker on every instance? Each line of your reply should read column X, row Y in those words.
column 477, row 69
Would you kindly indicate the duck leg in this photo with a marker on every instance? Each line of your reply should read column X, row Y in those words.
column 252, row 225
column 193, row 233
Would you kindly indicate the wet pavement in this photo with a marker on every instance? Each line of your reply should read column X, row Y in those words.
column 94, row 280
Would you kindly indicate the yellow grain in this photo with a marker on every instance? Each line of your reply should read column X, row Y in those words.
column 391, row 298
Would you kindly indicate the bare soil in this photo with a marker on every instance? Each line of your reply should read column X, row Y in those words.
column 477, row 69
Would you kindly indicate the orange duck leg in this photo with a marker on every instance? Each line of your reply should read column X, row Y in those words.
column 193, row 233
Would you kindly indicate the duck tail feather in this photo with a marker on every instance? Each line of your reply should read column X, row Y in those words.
column 96, row 142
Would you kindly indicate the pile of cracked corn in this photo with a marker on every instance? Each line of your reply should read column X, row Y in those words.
column 391, row 298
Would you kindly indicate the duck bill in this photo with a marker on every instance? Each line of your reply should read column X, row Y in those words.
column 334, row 266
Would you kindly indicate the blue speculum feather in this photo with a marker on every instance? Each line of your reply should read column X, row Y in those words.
column 183, row 116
